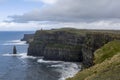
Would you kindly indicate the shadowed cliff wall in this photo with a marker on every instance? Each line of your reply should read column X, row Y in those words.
column 70, row 44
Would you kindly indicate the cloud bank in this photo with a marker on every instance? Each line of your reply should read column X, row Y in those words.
column 73, row 11
column 81, row 14
column 32, row 26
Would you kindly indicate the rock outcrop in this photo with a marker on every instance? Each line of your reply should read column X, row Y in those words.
column 107, row 64
column 28, row 38
column 92, row 42
column 14, row 50
column 60, row 45
column 70, row 44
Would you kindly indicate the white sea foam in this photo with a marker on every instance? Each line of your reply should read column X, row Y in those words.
column 11, row 55
column 58, row 65
column 24, row 55
column 15, row 42
column 67, row 69
column 21, row 55
column 47, row 61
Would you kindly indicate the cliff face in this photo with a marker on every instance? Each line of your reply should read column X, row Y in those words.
column 107, row 64
column 92, row 42
column 72, row 45
column 59, row 45
column 28, row 38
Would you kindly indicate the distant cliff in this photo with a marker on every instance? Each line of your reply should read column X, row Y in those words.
column 70, row 44
column 28, row 38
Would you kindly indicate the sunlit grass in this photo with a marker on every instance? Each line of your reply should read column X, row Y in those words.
column 107, row 64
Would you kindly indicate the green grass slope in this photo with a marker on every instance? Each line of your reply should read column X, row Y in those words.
column 81, row 31
column 107, row 64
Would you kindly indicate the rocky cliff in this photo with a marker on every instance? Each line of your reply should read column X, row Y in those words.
column 92, row 42
column 28, row 38
column 70, row 44
column 107, row 64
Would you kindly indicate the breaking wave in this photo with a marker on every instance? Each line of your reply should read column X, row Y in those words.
column 21, row 55
column 47, row 61
column 67, row 69
column 15, row 42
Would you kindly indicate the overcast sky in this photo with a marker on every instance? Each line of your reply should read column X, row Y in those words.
column 46, row 14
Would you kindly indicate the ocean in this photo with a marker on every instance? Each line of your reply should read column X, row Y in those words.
column 23, row 67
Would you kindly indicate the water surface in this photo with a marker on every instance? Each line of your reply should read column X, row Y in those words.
column 23, row 67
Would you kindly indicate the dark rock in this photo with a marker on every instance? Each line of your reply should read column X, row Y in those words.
column 14, row 50
column 68, row 45
column 28, row 38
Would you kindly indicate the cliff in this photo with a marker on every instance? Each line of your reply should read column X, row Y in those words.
column 107, row 64
column 28, row 38
column 58, row 45
column 70, row 44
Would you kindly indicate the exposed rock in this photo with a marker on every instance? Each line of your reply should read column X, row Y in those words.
column 92, row 42
column 62, row 54
column 106, row 64
column 28, row 38
column 70, row 45
column 14, row 50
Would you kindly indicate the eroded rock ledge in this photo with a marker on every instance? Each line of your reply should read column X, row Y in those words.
column 28, row 38
column 70, row 44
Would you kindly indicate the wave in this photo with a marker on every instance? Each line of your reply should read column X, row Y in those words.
column 21, row 55
column 58, row 65
column 67, row 69
column 47, row 61
column 15, row 42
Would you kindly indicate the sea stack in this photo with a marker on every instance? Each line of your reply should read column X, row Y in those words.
column 14, row 50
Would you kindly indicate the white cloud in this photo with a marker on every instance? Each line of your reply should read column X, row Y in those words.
column 73, row 10
column 83, row 14
column 45, row 1
column 4, row 26
column 109, row 25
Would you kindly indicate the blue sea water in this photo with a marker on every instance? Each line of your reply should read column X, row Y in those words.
column 23, row 67
column 9, row 39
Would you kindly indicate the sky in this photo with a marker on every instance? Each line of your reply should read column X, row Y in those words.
column 31, row 15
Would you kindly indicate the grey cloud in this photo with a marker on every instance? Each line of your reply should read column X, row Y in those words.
column 74, row 11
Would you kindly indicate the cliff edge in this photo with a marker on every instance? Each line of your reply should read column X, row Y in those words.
column 28, row 38
column 107, row 64
column 70, row 44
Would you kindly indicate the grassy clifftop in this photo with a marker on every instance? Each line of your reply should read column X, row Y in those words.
column 80, row 31
column 107, row 64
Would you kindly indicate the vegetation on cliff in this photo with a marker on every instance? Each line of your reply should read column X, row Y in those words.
column 61, row 44
column 28, row 38
column 79, row 31
column 107, row 64
column 68, row 44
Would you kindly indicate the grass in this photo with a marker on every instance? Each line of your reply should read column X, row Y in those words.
column 107, row 64
column 107, row 51
column 80, row 31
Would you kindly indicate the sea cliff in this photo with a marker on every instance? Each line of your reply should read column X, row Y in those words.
column 70, row 44
column 28, row 38
column 106, row 64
